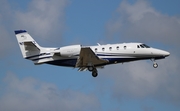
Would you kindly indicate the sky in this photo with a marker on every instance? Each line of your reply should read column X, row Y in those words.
column 121, row 87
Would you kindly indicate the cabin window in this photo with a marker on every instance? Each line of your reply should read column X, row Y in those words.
column 96, row 49
column 110, row 48
column 117, row 47
column 124, row 47
column 103, row 49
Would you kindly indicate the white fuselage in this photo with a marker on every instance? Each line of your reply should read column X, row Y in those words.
column 86, row 57
column 114, row 53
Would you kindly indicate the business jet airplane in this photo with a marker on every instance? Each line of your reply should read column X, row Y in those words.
column 86, row 57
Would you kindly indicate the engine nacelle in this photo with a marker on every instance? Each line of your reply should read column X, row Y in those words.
column 68, row 51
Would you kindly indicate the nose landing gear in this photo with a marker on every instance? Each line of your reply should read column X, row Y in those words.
column 155, row 65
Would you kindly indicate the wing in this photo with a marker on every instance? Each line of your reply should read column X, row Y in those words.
column 88, row 58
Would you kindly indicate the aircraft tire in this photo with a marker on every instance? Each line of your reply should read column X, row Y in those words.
column 155, row 65
column 90, row 68
column 94, row 74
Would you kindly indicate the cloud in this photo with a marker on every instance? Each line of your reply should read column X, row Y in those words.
column 140, row 21
column 6, row 43
column 43, row 17
column 29, row 94
column 139, row 80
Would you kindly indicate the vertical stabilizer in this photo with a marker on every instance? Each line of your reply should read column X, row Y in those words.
column 29, row 47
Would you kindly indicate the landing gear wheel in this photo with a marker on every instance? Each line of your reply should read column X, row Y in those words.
column 94, row 74
column 155, row 65
column 90, row 68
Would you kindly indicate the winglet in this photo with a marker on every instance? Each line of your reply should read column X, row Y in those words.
column 19, row 31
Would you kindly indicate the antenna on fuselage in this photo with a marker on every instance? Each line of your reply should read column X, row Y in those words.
column 98, row 44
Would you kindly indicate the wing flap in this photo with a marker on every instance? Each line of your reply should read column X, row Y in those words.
column 82, row 69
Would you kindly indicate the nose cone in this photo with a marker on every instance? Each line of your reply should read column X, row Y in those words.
column 166, row 53
column 158, row 52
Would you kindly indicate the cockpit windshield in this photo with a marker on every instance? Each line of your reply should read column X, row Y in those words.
column 143, row 46
column 146, row 46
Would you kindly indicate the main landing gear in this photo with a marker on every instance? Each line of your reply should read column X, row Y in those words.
column 155, row 65
column 93, row 70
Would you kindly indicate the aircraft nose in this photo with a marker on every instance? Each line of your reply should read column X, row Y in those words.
column 165, row 53
column 159, row 52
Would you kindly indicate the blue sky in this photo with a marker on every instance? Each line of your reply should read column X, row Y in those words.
column 122, row 87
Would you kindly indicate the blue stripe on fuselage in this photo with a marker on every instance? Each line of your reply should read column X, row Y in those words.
column 72, row 62
column 41, row 54
column 64, row 62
